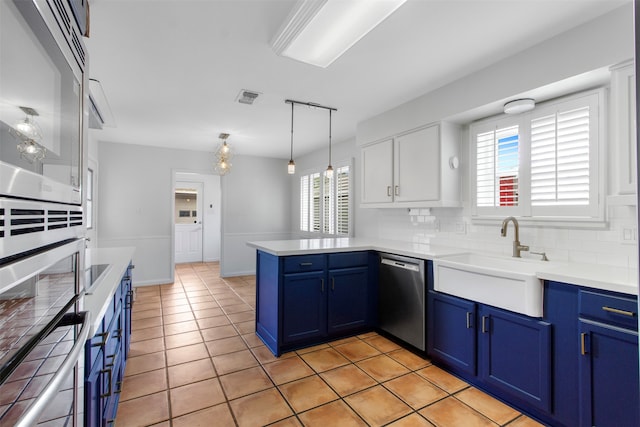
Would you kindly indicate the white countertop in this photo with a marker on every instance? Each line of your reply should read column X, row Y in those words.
column 618, row 279
column 104, row 287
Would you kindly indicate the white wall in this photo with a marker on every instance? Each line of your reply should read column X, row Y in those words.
column 598, row 44
column 135, row 187
column 256, row 199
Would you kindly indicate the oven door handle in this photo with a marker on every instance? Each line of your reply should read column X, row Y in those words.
column 36, row 409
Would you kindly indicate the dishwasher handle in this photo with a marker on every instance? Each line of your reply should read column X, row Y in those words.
column 400, row 264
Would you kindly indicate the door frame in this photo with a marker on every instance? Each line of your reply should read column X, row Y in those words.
column 212, row 188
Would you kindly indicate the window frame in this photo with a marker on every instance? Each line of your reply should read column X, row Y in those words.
column 327, row 228
column 591, row 216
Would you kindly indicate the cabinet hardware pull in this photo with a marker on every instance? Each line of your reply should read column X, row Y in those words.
column 389, row 190
column 333, row 283
column 109, row 371
column 583, row 345
column 306, row 264
column 618, row 311
column 321, row 285
column 119, row 389
column 105, row 337
column 484, row 326
column 469, row 325
column 397, row 190
column 113, row 360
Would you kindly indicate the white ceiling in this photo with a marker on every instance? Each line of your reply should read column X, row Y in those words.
column 172, row 69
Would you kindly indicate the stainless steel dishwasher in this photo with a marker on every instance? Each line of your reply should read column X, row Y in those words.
column 402, row 303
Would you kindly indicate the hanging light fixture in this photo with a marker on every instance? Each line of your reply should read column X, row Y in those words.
column 291, row 167
column 329, row 168
column 223, row 156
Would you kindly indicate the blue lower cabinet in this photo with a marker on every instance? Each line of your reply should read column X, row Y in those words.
column 506, row 353
column 304, row 308
column 515, row 356
column 607, row 356
column 106, row 354
column 451, row 338
column 303, row 300
column 349, row 305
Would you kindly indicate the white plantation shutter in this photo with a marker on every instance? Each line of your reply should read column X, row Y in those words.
column 328, row 204
column 324, row 202
column 304, row 203
column 342, row 201
column 564, row 154
column 497, row 173
column 560, row 159
column 315, row 202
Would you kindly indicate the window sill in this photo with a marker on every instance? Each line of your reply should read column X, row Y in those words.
column 547, row 222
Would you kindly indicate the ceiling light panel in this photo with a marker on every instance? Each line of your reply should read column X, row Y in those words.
column 318, row 32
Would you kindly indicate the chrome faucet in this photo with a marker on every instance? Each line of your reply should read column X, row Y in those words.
column 517, row 247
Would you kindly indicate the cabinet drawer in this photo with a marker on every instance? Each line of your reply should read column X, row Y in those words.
column 348, row 259
column 300, row 263
column 616, row 310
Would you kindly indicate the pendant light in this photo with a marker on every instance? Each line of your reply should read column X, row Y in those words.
column 329, row 171
column 223, row 156
column 291, row 167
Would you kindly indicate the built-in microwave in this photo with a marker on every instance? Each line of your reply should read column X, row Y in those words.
column 42, row 92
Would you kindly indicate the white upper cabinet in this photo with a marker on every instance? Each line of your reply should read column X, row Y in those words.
column 623, row 127
column 413, row 169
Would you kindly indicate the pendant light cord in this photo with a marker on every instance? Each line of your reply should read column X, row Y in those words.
column 291, row 157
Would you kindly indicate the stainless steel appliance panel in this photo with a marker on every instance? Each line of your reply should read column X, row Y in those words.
column 42, row 337
column 42, row 85
column 402, row 302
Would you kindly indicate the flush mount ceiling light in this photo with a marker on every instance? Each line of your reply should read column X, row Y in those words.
column 518, row 106
column 223, row 156
column 317, row 32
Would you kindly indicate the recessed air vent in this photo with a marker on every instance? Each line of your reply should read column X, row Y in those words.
column 247, row 97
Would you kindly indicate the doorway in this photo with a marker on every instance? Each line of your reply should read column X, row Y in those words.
column 188, row 221
column 196, row 222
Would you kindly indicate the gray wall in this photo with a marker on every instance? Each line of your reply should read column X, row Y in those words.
column 135, row 191
column 256, row 200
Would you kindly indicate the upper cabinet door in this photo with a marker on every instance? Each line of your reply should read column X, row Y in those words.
column 377, row 172
column 417, row 166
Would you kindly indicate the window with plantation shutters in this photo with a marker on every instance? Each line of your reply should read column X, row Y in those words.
column 325, row 202
column 543, row 164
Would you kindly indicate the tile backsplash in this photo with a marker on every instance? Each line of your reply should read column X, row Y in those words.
column 616, row 245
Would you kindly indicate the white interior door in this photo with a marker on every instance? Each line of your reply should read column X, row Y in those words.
column 188, row 221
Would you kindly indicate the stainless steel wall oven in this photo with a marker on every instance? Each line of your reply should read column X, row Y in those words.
column 43, row 328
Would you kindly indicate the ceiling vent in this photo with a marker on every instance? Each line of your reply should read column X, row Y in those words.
column 247, row 97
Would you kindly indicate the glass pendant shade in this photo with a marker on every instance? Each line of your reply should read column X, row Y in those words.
column 291, row 167
column 29, row 129
column 223, row 156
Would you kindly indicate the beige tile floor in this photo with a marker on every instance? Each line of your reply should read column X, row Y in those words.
column 196, row 361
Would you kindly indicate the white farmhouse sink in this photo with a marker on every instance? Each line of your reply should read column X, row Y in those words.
column 503, row 282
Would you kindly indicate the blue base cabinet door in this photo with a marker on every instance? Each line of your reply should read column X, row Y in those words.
column 348, row 299
column 608, row 376
column 515, row 355
column 304, row 306
column 452, row 332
